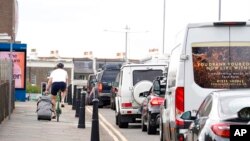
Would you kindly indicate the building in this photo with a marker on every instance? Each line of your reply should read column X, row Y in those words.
column 9, row 17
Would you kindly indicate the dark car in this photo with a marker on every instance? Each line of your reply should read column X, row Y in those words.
column 114, row 91
column 104, row 80
column 151, row 105
column 218, row 111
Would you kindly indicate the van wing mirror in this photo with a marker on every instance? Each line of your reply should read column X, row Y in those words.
column 165, row 104
column 188, row 118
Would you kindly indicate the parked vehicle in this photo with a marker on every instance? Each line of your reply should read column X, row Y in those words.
column 134, row 79
column 114, row 91
column 151, row 105
column 90, row 84
column 218, row 111
column 104, row 80
column 211, row 56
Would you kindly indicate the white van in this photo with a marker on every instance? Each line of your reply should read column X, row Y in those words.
column 211, row 56
column 134, row 80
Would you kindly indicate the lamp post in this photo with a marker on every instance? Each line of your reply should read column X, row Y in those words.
column 164, row 16
column 127, row 30
column 219, row 10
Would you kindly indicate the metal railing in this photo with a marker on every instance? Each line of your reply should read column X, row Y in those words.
column 6, row 106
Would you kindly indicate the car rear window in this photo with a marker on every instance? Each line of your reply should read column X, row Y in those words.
column 109, row 75
column 231, row 105
column 139, row 75
column 221, row 64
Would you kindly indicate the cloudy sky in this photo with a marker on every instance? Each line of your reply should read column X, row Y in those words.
column 76, row 26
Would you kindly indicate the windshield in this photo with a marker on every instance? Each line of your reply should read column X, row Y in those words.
column 139, row 75
column 109, row 75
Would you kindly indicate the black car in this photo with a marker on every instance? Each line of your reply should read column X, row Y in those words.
column 104, row 80
column 218, row 111
column 151, row 105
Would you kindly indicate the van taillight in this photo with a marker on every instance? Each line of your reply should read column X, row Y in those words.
column 221, row 129
column 179, row 100
column 229, row 23
column 179, row 103
column 99, row 87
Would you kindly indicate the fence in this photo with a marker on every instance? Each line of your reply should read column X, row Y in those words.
column 5, row 90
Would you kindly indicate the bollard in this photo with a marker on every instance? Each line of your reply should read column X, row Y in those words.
column 81, row 122
column 95, row 121
column 78, row 99
column 74, row 98
column 69, row 95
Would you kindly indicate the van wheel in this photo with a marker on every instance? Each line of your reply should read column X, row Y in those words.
column 120, row 123
column 143, row 126
column 151, row 128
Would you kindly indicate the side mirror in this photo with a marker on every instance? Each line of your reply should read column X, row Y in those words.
column 188, row 118
column 165, row 104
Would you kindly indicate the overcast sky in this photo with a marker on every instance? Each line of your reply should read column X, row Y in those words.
column 76, row 26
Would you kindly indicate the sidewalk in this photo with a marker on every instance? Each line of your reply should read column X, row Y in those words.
column 24, row 126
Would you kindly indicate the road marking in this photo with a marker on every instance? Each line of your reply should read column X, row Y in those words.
column 107, row 126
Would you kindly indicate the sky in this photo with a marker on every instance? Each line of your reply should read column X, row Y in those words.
column 76, row 26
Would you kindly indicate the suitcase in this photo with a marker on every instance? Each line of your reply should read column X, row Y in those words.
column 44, row 108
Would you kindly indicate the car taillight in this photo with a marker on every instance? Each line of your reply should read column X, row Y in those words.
column 156, row 101
column 179, row 102
column 126, row 105
column 221, row 129
column 99, row 87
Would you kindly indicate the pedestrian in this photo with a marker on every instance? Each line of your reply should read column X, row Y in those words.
column 58, row 80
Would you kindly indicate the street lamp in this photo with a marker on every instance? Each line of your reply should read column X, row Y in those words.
column 127, row 30
column 164, row 16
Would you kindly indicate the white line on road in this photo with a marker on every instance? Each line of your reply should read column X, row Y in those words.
column 107, row 126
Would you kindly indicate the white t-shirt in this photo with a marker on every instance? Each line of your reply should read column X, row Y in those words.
column 59, row 75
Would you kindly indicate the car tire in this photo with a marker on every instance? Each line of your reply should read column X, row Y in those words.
column 151, row 129
column 120, row 123
column 143, row 126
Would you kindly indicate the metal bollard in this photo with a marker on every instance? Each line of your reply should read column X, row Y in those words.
column 95, row 121
column 74, row 98
column 69, row 95
column 78, row 99
column 81, row 122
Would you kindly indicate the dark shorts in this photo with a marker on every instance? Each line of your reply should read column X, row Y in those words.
column 56, row 86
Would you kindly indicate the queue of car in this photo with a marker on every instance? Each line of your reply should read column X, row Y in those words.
column 204, row 91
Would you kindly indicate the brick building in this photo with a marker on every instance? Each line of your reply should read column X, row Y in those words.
column 9, row 17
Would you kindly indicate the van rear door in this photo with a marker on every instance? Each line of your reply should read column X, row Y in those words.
column 217, row 60
column 194, row 93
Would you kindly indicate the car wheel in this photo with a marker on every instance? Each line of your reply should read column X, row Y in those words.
column 120, row 123
column 143, row 126
column 151, row 129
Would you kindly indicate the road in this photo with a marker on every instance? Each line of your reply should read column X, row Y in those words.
column 107, row 118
